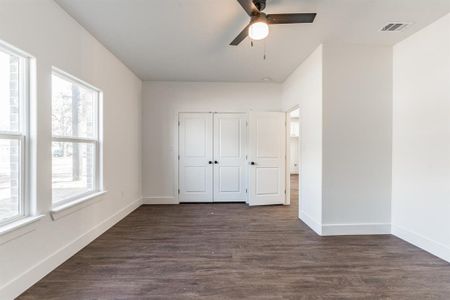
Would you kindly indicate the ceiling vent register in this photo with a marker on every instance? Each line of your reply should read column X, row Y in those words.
column 394, row 26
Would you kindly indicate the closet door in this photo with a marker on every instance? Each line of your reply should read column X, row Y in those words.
column 230, row 134
column 195, row 166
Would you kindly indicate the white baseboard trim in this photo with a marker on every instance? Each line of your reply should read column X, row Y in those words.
column 436, row 248
column 313, row 224
column 356, row 229
column 160, row 200
column 21, row 283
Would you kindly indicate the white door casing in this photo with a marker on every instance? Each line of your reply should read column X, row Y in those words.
column 230, row 139
column 195, row 166
column 267, row 158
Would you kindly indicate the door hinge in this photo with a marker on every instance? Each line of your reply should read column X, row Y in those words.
column 246, row 123
column 285, row 192
column 246, row 191
column 178, row 191
column 178, row 157
column 179, row 123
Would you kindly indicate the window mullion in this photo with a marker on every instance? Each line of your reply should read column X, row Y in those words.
column 11, row 136
column 73, row 140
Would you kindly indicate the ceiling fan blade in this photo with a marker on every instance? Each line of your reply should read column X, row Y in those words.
column 291, row 18
column 249, row 7
column 241, row 36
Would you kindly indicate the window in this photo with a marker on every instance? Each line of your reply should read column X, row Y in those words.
column 75, row 146
column 295, row 129
column 14, row 100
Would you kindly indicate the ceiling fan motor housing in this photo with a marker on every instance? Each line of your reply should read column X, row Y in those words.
column 262, row 17
column 260, row 4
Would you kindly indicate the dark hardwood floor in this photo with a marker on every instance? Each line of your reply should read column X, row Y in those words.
column 231, row 251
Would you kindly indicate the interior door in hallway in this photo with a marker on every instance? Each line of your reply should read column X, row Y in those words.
column 267, row 158
column 230, row 134
column 195, row 167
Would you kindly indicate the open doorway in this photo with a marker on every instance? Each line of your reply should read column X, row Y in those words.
column 293, row 156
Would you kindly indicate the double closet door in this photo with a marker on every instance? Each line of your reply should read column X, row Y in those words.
column 212, row 157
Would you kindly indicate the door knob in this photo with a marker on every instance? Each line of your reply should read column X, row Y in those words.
column 252, row 163
column 210, row 162
column 216, row 162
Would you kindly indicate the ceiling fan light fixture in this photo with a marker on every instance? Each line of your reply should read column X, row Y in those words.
column 258, row 30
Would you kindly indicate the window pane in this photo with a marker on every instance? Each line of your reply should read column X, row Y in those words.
column 9, row 92
column 73, row 169
column 10, row 204
column 73, row 109
column 295, row 129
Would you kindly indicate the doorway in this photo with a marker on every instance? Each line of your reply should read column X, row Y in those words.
column 293, row 156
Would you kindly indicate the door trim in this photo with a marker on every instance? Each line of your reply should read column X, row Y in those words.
column 288, row 156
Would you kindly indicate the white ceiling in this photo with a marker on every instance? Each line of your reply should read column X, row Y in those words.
column 187, row 40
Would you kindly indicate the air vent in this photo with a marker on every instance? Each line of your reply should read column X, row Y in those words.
column 395, row 26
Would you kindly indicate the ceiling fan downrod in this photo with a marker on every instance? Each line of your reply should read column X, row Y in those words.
column 260, row 4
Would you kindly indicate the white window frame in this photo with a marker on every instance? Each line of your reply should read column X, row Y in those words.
column 96, row 141
column 23, row 132
column 294, row 130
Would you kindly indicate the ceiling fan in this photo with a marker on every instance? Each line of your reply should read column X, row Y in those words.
column 258, row 28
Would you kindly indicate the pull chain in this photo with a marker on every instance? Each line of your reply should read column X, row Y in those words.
column 265, row 50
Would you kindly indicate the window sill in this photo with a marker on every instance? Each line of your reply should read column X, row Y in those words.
column 18, row 228
column 63, row 210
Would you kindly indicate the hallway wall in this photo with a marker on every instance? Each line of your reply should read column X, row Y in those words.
column 344, row 93
column 304, row 88
column 421, row 147
column 357, row 139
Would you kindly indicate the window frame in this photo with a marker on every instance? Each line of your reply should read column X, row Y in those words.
column 96, row 140
column 22, row 135
column 294, row 129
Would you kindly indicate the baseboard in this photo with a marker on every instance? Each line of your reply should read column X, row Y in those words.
column 356, row 229
column 436, row 248
column 21, row 283
column 313, row 224
column 160, row 200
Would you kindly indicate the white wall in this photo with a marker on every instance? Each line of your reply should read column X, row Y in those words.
column 357, row 138
column 161, row 103
column 421, row 139
column 43, row 29
column 345, row 97
column 304, row 88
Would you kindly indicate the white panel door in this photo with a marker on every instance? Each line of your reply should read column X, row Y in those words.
column 230, row 134
column 195, row 166
column 267, row 158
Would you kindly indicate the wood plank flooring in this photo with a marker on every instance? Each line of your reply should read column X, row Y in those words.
column 231, row 251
